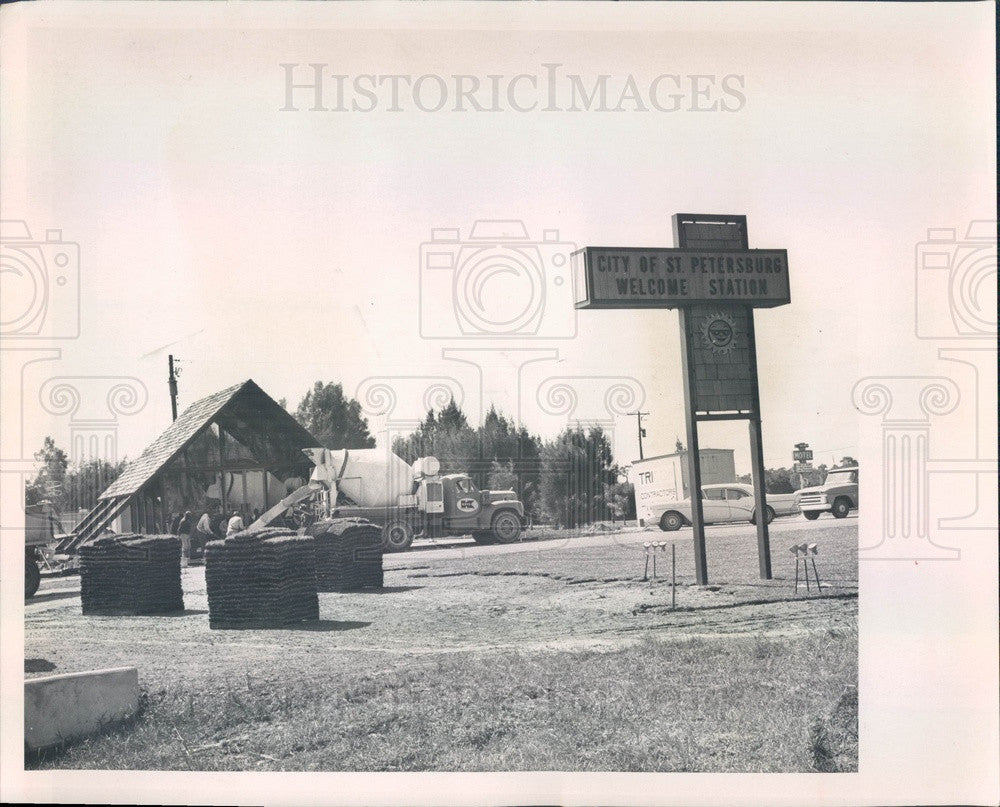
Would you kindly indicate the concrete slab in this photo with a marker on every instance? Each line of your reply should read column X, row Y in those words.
column 65, row 707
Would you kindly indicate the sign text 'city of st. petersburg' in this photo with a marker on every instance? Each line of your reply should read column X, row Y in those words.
column 627, row 277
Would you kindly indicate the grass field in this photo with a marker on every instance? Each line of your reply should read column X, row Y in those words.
column 555, row 657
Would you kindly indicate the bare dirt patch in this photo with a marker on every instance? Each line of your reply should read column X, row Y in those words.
column 444, row 617
column 556, row 596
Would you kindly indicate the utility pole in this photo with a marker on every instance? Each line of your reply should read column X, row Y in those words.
column 172, row 381
column 642, row 432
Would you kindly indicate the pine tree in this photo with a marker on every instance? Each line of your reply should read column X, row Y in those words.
column 452, row 418
column 333, row 418
column 48, row 482
column 577, row 469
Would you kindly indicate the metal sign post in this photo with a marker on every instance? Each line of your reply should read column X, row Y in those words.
column 802, row 456
column 715, row 280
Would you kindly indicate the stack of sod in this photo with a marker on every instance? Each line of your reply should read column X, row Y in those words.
column 348, row 554
column 263, row 579
column 131, row 575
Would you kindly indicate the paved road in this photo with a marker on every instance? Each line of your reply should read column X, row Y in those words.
column 466, row 547
column 536, row 541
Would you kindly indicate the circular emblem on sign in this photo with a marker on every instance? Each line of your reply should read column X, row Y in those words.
column 467, row 505
column 717, row 330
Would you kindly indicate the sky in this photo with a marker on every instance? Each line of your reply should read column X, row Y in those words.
column 292, row 246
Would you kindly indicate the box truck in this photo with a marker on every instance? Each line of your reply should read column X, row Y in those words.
column 662, row 479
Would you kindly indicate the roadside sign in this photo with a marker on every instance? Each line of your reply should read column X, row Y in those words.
column 715, row 281
column 803, row 467
column 633, row 277
column 802, row 455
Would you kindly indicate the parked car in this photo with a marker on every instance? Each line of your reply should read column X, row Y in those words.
column 723, row 504
column 837, row 495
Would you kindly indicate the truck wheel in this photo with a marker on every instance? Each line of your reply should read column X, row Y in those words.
column 506, row 527
column 483, row 538
column 397, row 536
column 841, row 507
column 32, row 577
column 812, row 515
column 671, row 521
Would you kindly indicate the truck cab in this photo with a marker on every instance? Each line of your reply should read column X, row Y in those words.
column 837, row 495
column 489, row 515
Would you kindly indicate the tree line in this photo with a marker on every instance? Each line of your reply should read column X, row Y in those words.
column 69, row 486
column 568, row 480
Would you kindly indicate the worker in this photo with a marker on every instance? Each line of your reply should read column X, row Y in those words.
column 184, row 533
column 218, row 522
column 235, row 524
column 203, row 531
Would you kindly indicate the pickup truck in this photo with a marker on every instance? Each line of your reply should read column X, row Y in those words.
column 723, row 504
column 837, row 495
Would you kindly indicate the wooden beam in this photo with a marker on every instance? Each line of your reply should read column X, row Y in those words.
column 693, row 458
column 757, row 466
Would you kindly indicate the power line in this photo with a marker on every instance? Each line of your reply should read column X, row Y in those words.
column 172, row 382
column 642, row 432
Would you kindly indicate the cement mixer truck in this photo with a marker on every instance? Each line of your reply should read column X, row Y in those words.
column 406, row 501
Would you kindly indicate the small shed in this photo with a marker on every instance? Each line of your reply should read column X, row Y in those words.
column 235, row 450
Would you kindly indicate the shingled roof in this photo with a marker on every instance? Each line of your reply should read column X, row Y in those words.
column 243, row 410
